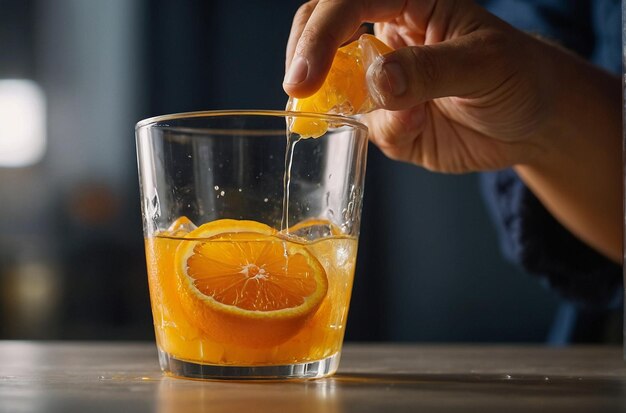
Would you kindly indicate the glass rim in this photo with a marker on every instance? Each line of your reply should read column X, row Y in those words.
column 151, row 121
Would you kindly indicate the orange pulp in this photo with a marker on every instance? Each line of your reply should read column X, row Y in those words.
column 239, row 293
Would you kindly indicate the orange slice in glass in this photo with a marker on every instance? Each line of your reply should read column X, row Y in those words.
column 242, row 285
column 344, row 91
column 312, row 229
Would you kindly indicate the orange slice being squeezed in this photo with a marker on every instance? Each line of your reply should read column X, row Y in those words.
column 241, row 284
column 344, row 91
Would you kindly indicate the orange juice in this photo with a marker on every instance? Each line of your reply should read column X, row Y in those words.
column 240, row 293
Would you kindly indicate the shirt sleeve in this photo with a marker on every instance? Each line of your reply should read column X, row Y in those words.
column 532, row 238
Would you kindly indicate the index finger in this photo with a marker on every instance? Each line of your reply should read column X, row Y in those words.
column 317, row 38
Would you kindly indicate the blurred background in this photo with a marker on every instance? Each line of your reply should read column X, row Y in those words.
column 76, row 75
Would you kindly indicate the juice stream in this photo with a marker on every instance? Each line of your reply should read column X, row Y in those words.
column 291, row 146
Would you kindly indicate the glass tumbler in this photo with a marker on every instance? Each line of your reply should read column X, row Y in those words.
column 251, row 239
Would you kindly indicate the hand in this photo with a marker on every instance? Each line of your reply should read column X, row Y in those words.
column 461, row 91
column 464, row 91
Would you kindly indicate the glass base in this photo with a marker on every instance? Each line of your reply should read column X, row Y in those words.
column 191, row 370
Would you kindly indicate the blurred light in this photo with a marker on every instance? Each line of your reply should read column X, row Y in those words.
column 30, row 299
column 22, row 123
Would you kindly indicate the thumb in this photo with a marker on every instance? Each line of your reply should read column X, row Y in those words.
column 467, row 66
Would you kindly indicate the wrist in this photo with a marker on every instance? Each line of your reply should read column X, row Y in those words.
column 580, row 107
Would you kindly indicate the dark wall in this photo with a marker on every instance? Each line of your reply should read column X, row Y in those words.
column 429, row 268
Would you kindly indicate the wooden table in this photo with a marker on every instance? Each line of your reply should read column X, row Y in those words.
column 124, row 377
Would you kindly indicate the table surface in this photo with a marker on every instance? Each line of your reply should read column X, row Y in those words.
column 125, row 377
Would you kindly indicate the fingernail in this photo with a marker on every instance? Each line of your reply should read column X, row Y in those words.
column 386, row 79
column 298, row 71
column 395, row 77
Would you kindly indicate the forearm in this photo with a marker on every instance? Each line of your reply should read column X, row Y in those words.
column 577, row 170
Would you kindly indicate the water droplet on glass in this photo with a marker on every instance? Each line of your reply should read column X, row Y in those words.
column 153, row 206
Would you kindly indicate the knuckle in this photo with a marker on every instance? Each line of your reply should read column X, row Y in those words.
column 464, row 4
column 427, row 67
column 304, row 12
column 313, row 35
column 496, row 47
column 387, row 143
column 307, row 38
column 382, row 139
column 327, row 2
column 494, row 42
